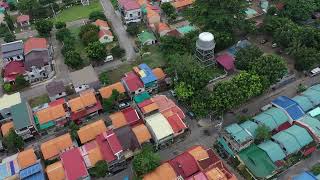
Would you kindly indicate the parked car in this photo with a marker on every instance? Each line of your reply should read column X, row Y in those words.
column 263, row 41
column 315, row 72
column 274, row 45
column 136, row 50
column 109, row 58
column 123, row 105
column 191, row 115
column 173, row 93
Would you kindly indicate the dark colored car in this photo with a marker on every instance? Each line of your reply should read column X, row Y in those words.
column 191, row 115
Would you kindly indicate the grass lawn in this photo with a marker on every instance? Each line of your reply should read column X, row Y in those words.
column 79, row 46
column 78, row 12
column 39, row 100
column 155, row 59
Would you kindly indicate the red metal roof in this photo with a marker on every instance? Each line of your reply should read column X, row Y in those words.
column 131, row 115
column 227, row 61
column 129, row 4
column 104, row 32
column 198, row 176
column 109, row 145
column 73, row 164
column 132, row 81
column 145, row 103
column 80, row 114
column 309, row 150
column 57, row 102
column 176, row 123
column 184, row 165
column 13, row 69
column 23, row 18
column 34, row 43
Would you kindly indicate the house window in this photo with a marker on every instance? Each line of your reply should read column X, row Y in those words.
column 130, row 15
column 18, row 57
column 11, row 58
column 60, row 94
column 138, row 13
column 32, row 75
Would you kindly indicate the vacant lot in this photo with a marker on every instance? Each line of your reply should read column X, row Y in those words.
column 39, row 100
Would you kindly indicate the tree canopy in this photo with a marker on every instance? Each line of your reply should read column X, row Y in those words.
column 96, row 51
column 262, row 133
column 44, row 27
column 73, row 59
column 299, row 10
column 13, row 141
column 247, row 56
column 99, row 170
column 94, row 15
column 146, row 161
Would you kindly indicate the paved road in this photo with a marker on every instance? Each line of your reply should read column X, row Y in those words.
column 304, row 165
column 123, row 38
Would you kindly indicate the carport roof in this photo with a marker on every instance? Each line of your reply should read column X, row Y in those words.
column 313, row 123
column 304, row 102
column 273, row 150
column 267, row 120
column 250, row 126
column 313, row 95
column 301, row 134
column 238, row 133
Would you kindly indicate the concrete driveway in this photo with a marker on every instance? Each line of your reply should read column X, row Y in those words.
column 123, row 38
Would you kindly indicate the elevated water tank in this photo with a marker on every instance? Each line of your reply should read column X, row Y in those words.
column 205, row 48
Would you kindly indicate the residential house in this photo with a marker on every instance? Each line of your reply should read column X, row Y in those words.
column 53, row 116
column 33, row 172
column 23, row 20
column 147, row 77
column 6, row 102
column 6, row 127
column 91, row 153
column 102, row 24
column 226, row 61
column 106, row 91
column 55, row 171
column 9, row 167
column 91, row 131
column 162, row 80
column 56, row 90
column 12, row 70
column 152, row 17
column 74, row 165
column 23, row 120
column 142, row 133
column 182, row 4
column 128, row 141
column 53, row 148
column 162, row 29
column 26, row 158
column 147, row 38
column 312, row 125
column 132, row 84
column 38, row 59
column 105, row 36
column 12, row 51
column 290, row 107
column 84, row 78
column 84, row 106
column 130, row 11
column 111, row 150
column 128, row 116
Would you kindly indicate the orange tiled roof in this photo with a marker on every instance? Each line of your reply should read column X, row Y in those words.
column 142, row 133
column 118, row 119
column 182, row 3
column 162, row 27
column 164, row 171
column 106, row 92
column 54, row 146
column 199, row 153
column 34, row 43
column 87, row 98
column 94, row 154
column 5, row 128
column 150, row 108
column 50, row 114
column 91, row 131
column 26, row 158
column 55, row 171
column 158, row 72
column 216, row 174
column 101, row 23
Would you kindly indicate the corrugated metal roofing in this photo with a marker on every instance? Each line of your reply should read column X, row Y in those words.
column 273, row 150
column 313, row 95
column 303, row 102
column 238, row 133
column 305, row 176
column 315, row 87
column 250, row 126
column 159, row 126
column 291, row 107
column 315, row 112
column 278, row 115
column 313, row 123
column 33, row 172
column 142, row 97
column 301, row 134
column 149, row 76
column 267, row 120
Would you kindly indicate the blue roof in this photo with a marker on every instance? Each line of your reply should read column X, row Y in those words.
column 149, row 76
column 291, row 107
column 33, row 172
column 304, row 176
column 240, row 45
column 8, row 169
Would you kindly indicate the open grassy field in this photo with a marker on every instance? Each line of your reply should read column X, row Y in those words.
column 78, row 12
column 39, row 100
column 79, row 46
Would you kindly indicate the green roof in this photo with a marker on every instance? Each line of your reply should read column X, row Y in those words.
column 267, row 120
column 250, row 127
column 20, row 115
column 273, row 150
column 315, row 112
column 45, row 125
column 303, row 102
column 225, row 146
column 301, row 134
column 186, row 29
column 142, row 97
column 146, row 36
column 238, row 133
column 315, row 87
column 313, row 123
column 313, row 95
column 257, row 161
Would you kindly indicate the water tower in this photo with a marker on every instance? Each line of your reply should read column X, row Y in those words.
column 205, row 49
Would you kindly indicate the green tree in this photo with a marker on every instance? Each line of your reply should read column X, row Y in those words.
column 7, row 87
column 9, row 37
column 245, row 57
column 44, row 27
column 118, row 52
column 146, row 161
column 68, row 2
column 272, row 23
column 62, row 34
column 60, row 25
column 133, row 29
column 27, row 6
column 306, row 58
column 104, row 79
column 9, row 21
column 21, row 82
column 73, row 128
column 99, row 170
column 107, row 104
column 94, row 15
column 184, row 91
column 223, row 40
column 13, row 142
column 199, row 103
column 89, row 33
column 262, row 133
column 169, row 10
column 96, row 51
column 316, row 169
column 299, row 10
column 73, row 60
column 271, row 67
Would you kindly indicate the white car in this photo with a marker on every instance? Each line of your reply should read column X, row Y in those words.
column 109, row 58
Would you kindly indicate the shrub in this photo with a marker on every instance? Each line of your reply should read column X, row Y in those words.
column 60, row 25
column 97, row 15
column 7, row 87
column 117, row 52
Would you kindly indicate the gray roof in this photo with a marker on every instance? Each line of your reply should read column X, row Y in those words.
column 36, row 58
column 55, row 87
column 12, row 49
column 127, row 138
column 20, row 115
column 86, row 75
